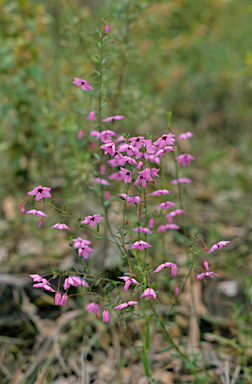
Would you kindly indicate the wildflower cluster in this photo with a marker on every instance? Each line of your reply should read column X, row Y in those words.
column 134, row 167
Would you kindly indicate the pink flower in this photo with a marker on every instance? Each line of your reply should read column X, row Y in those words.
column 165, row 205
column 128, row 281
column 95, row 133
column 142, row 230
column 105, row 316
column 137, row 141
column 149, row 293
column 116, row 176
column 165, row 140
column 125, row 305
column 93, row 307
column 117, row 162
column 181, row 180
column 218, row 245
column 171, row 214
column 44, row 286
column 106, row 135
column 108, row 148
column 140, row 245
column 107, row 195
column 112, row 118
column 206, row 265
column 92, row 220
column 102, row 169
column 79, row 242
column 84, row 84
column 146, row 175
column 163, row 228
column 165, row 265
column 38, row 278
column 207, row 274
column 57, row 298
column 100, row 181
column 134, row 199
column 40, row 192
column 160, row 192
column 139, row 165
column 107, row 28
column 40, row 223
column 111, row 41
column 60, row 226
column 22, row 208
column 80, row 134
column 126, row 174
column 37, row 213
column 63, row 300
column 130, row 160
column 130, row 150
column 185, row 136
column 93, row 145
column 177, row 290
column 123, row 195
column 184, row 159
column 151, row 222
column 91, row 115
column 82, row 246
column 74, row 281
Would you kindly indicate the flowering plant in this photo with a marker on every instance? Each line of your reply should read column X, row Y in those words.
column 139, row 162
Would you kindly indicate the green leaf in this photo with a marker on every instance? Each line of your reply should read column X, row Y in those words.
column 98, row 281
column 98, row 73
column 103, row 61
column 107, row 54
column 105, row 38
column 167, row 348
column 96, row 156
column 99, row 237
column 97, row 58
column 107, row 286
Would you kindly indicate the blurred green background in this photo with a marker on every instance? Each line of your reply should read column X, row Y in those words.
column 191, row 57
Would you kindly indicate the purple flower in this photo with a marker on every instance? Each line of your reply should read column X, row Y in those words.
column 165, row 265
column 107, row 28
column 134, row 199
column 105, row 316
column 149, row 293
column 80, row 134
column 108, row 148
column 163, row 228
column 140, row 245
column 165, row 205
column 83, row 251
column 137, row 141
column 218, row 245
column 106, row 195
column 130, row 160
column 112, row 118
column 100, row 180
column 177, row 290
column 126, row 174
column 184, row 159
column 79, row 242
column 146, row 175
column 44, row 286
column 171, row 214
column 40, row 223
column 118, row 162
column 35, row 212
column 206, row 265
column 91, row 115
column 40, row 192
column 116, row 176
column 92, row 220
column 84, row 84
column 57, row 298
column 60, row 226
column 160, row 192
column 165, row 140
column 74, row 281
column 22, row 208
column 128, row 281
column 181, row 180
column 207, row 274
column 63, row 300
column 139, row 165
column 38, row 278
column 102, row 169
column 142, row 230
column 95, row 133
column 93, row 307
column 106, row 135
column 125, row 305
column 185, row 136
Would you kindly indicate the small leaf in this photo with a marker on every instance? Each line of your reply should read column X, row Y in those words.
column 97, row 58
column 98, row 281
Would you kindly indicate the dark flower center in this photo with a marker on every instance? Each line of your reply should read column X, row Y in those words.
column 92, row 218
column 128, row 173
column 40, row 190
